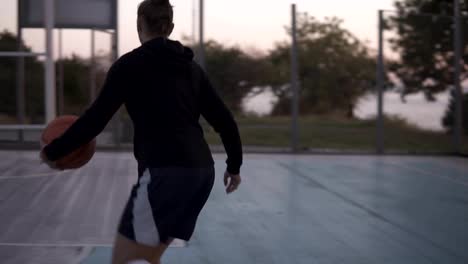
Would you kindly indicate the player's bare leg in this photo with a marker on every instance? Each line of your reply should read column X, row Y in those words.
column 126, row 250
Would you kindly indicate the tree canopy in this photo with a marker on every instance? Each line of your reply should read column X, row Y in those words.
column 335, row 68
column 448, row 121
column 234, row 73
column 424, row 33
column 33, row 81
column 76, row 82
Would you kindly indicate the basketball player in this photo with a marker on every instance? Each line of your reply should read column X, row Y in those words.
column 164, row 92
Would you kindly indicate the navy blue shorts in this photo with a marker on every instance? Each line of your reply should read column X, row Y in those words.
column 165, row 203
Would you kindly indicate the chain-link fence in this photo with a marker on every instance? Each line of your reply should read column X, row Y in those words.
column 419, row 82
column 338, row 75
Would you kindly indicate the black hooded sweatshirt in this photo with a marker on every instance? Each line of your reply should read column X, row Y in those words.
column 165, row 92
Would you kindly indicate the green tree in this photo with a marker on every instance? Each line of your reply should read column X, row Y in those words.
column 425, row 45
column 448, row 119
column 34, row 81
column 76, row 73
column 76, row 82
column 234, row 73
column 7, row 75
column 335, row 68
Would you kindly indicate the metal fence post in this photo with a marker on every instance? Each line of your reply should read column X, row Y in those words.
column 202, row 36
column 117, row 126
column 92, row 68
column 20, row 94
column 60, row 77
column 458, row 94
column 118, row 115
column 50, row 92
column 380, row 88
column 294, row 85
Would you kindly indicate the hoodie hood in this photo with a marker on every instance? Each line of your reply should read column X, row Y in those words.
column 168, row 50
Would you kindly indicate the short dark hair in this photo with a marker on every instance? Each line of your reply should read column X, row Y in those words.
column 157, row 16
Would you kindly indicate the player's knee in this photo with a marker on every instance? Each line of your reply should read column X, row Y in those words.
column 156, row 261
column 139, row 262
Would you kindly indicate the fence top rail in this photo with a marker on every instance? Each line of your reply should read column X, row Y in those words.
column 21, row 54
column 421, row 14
column 21, row 127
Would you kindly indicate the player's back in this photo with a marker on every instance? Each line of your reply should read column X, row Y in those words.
column 163, row 100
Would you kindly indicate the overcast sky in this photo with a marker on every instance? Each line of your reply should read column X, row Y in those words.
column 248, row 23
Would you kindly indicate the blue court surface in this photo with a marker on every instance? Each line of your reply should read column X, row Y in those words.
column 289, row 209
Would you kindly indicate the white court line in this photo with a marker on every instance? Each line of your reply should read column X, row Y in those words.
column 422, row 171
column 88, row 248
column 57, row 173
column 83, row 255
column 175, row 243
column 63, row 245
column 30, row 176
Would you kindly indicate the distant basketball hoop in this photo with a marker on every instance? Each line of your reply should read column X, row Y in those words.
column 72, row 14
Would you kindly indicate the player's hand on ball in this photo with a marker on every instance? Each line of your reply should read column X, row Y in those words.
column 231, row 181
column 44, row 159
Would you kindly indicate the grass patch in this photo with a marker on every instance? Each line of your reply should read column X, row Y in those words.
column 319, row 132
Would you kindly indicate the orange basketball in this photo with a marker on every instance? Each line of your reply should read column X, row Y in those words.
column 77, row 158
